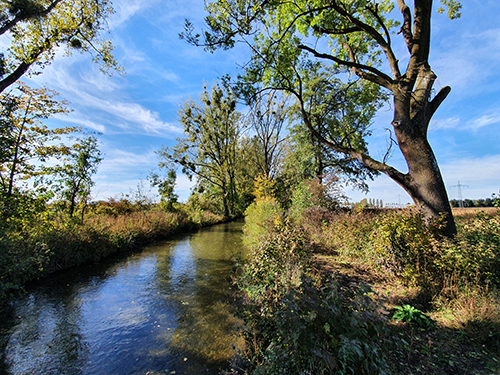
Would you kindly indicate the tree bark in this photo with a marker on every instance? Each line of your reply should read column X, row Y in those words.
column 412, row 113
column 224, row 201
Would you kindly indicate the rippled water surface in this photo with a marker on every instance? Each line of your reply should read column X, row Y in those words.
column 161, row 311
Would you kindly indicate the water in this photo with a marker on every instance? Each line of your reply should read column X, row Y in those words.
column 164, row 310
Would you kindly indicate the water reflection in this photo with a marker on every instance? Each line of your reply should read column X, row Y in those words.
column 163, row 310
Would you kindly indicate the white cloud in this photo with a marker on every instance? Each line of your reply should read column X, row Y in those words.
column 448, row 123
column 137, row 116
column 78, row 119
column 126, row 9
column 98, row 102
column 485, row 120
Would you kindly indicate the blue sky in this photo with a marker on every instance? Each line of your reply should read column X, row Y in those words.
column 137, row 113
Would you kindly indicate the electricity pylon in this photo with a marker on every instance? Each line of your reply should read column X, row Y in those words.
column 460, row 186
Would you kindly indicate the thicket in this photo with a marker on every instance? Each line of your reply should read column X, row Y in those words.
column 399, row 243
column 299, row 321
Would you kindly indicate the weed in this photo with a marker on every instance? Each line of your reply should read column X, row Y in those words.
column 410, row 314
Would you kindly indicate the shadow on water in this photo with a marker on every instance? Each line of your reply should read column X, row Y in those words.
column 162, row 310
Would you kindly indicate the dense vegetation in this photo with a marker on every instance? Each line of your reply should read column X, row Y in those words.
column 37, row 239
column 320, row 286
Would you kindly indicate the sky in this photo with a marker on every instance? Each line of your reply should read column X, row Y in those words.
column 136, row 113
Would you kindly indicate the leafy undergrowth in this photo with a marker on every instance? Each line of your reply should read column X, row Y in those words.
column 464, row 334
column 372, row 293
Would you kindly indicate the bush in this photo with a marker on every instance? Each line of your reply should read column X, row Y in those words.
column 275, row 263
column 349, row 235
column 259, row 218
column 403, row 245
column 319, row 329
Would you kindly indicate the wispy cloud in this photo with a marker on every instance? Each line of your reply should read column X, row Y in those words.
column 448, row 123
column 126, row 9
column 77, row 118
column 140, row 117
column 485, row 120
column 99, row 104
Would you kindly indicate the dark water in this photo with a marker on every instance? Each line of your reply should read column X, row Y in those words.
column 161, row 311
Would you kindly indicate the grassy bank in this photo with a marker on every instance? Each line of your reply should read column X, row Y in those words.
column 37, row 246
column 369, row 292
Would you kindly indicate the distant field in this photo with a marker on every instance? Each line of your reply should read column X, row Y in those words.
column 468, row 211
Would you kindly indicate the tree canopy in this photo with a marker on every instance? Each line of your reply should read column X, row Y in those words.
column 208, row 148
column 35, row 29
column 26, row 142
column 354, row 37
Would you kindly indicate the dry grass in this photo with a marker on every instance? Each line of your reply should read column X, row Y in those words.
column 472, row 211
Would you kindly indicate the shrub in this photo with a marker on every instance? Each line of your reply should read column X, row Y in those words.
column 319, row 329
column 349, row 234
column 405, row 246
column 259, row 217
column 275, row 263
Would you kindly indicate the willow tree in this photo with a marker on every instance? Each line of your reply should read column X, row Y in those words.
column 35, row 29
column 208, row 148
column 355, row 36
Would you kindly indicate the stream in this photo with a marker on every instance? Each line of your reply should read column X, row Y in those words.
column 163, row 310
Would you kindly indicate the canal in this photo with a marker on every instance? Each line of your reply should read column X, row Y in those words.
column 164, row 310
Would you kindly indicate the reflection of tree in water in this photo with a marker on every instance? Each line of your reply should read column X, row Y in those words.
column 145, row 313
column 196, row 276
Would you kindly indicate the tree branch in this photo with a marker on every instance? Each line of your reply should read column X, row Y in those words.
column 406, row 28
column 20, row 17
column 361, row 70
column 347, row 30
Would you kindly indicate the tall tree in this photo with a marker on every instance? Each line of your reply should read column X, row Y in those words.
column 165, row 185
column 356, row 36
column 26, row 141
column 34, row 29
column 208, row 148
column 75, row 175
column 267, row 119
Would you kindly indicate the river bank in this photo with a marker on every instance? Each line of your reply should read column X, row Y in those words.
column 162, row 309
column 46, row 245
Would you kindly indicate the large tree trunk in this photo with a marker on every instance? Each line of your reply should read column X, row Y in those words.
column 423, row 182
